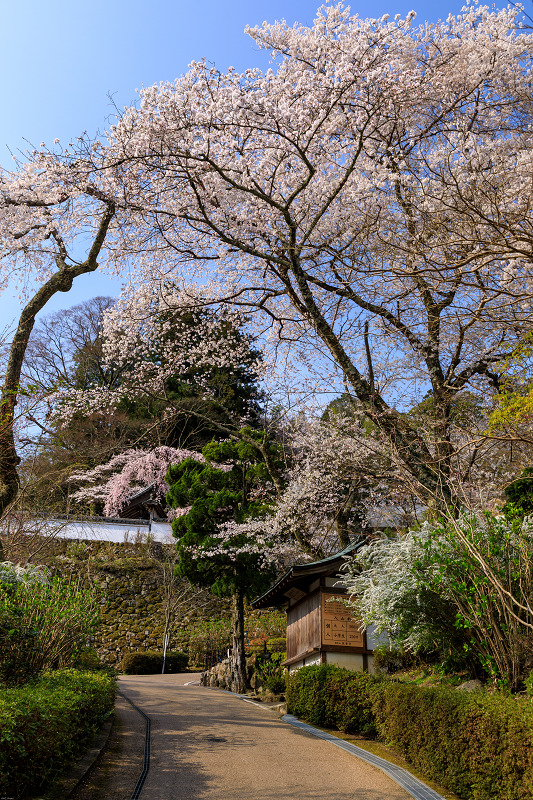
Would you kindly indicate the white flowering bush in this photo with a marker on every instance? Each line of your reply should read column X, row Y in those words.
column 392, row 588
column 13, row 574
column 461, row 590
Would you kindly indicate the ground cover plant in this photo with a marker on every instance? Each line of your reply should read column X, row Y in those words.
column 479, row 744
column 46, row 723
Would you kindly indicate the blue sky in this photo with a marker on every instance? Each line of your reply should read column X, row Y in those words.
column 62, row 60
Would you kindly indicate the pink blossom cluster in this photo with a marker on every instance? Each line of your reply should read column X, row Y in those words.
column 118, row 480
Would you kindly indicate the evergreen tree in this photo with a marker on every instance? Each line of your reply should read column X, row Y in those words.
column 216, row 544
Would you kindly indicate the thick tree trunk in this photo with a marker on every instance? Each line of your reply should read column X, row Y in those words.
column 238, row 659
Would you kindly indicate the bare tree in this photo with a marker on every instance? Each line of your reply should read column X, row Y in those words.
column 65, row 348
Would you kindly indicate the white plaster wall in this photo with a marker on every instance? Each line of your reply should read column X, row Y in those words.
column 353, row 661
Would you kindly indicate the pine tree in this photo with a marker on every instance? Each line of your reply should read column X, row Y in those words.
column 216, row 544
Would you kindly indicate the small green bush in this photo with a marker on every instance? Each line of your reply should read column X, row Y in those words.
column 46, row 724
column 88, row 660
column 390, row 660
column 151, row 663
column 277, row 644
column 329, row 696
column 479, row 745
column 275, row 683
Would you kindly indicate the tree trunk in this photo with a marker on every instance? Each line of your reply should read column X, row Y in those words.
column 61, row 281
column 238, row 659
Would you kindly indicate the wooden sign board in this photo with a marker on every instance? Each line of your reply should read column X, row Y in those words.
column 338, row 624
column 294, row 593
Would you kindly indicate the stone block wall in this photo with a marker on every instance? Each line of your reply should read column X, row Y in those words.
column 129, row 586
column 131, row 613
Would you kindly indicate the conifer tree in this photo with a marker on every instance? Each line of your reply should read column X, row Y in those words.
column 216, row 547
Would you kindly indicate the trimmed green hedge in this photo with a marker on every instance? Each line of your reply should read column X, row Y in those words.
column 46, row 724
column 479, row 745
column 151, row 663
column 333, row 698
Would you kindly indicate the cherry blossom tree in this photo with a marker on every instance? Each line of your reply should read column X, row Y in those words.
column 117, row 481
column 55, row 218
column 335, row 472
column 368, row 198
column 189, row 359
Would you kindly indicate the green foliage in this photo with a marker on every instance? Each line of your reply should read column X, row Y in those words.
column 479, row 745
column 265, row 624
column 206, row 637
column 476, row 744
column 19, row 648
column 484, row 566
column 151, row 663
column 46, row 724
column 230, row 487
column 458, row 593
column 391, row 659
column 272, row 674
column 276, row 644
column 275, row 683
column 88, row 660
column 332, row 697
column 519, row 496
column 43, row 625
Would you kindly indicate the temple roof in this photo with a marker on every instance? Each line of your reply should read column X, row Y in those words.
column 299, row 575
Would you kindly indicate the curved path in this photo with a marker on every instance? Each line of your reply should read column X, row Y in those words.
column 207, row 744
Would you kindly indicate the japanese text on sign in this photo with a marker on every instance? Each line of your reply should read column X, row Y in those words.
column 338, row 625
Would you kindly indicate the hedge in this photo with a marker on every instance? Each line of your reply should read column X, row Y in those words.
column 478, row 744
column 46, row 724
column 151, row 663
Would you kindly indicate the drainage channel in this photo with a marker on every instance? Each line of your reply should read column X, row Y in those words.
column 146, row 763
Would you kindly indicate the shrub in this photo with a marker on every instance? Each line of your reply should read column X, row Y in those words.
column 479, row 745
column 275, row 683
column 151, row 663
column 44, row 622
column 19, row 648
column 88, row 660
column 459, row 590
column 333, row 697
column 206, row 639
column 45, row 724
column 268, row 667
column 391, row 659
column 256, row 646
column 277, row 644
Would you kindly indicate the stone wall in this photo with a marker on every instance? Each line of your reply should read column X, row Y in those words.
column 131, row 612
column 128, row 580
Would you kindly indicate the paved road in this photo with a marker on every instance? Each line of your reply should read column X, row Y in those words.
column 207, row 745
